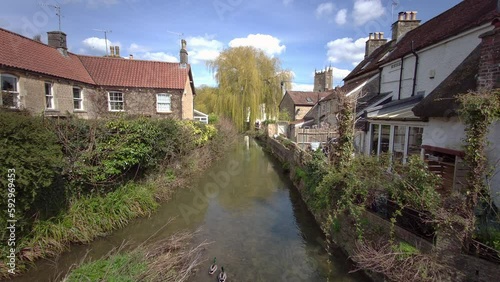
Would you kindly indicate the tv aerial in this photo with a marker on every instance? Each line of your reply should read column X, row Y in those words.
column 105, row 37
column 58, row 11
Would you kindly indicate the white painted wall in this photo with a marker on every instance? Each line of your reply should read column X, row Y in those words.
column 450, row 133
column 441, row 58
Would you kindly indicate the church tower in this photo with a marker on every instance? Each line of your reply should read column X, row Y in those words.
column 323, row 80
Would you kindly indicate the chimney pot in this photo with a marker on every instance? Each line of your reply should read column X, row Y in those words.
column 376, row 39
column 131, row 57
column 111, row 51
column 370, row 36
column 117, row 51
column 406, row 22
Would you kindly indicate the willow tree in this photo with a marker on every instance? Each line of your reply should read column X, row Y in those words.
column 248, row 79
column 205, row 99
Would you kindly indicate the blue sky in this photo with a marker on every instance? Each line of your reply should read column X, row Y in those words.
column 305, row 34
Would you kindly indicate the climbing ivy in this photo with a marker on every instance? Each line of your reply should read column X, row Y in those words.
column 479, row 110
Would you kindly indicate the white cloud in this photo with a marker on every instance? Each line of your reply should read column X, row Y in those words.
column 267, row 43
column 97, row 46
column 158, row 56
column 341, row 17
column 302, row 87
column 339, row 74
column 346, row 50
column 287, row 2
column 203, row 48
column 367, row 10
column 325, row 9
column 136, row 48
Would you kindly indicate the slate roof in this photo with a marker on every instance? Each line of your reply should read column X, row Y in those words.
column 441, row 102
column 464, row 16
column 370, row 63
column 20, row 52
column 306, row 98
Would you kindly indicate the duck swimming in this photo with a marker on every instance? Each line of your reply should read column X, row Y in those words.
column 222, row 275
column 213, row 268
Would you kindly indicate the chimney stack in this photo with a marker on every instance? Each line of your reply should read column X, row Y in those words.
column 57, row 39
column 406, row 21
column 111, row 51
column 183, row 53
column 375, row 40
column 117, row 51
column 489, row 73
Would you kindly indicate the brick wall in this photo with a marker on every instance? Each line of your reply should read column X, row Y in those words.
column 489, row 65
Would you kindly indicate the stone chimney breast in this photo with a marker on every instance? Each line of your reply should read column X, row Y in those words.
column 375, row 40
column 183, row 53
column 406, row 22
column 57, row 39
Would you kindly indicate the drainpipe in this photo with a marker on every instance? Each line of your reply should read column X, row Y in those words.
column 379, row 81
column 415, row 72
column 401, row 78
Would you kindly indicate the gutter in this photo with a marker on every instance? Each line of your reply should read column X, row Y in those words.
column 415, row 71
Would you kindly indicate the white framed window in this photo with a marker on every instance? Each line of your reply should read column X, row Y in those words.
column 49, row 96
column 115, row 101
column 77, row 98
column 400, row 140
column 163, row 103
column 10, row 94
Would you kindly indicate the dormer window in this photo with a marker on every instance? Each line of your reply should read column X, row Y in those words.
column 10, row 94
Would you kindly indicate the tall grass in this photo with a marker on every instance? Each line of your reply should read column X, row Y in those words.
column 170, row 259
column 89, row 217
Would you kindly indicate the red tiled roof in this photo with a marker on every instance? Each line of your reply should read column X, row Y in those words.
column 20, row 52
column 301, row 97
column 135, row 73
column 465, row 15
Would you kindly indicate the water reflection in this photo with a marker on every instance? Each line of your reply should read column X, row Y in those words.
column 260, row 228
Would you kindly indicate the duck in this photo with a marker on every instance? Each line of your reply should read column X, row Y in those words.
column 213, row 268
column 222, row 275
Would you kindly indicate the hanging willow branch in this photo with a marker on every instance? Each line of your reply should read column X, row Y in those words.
column 248, row 79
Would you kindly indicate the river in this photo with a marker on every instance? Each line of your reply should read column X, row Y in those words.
column 258, row 226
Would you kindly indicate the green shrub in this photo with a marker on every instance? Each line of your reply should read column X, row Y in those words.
column 416, row 185
column 29, row 148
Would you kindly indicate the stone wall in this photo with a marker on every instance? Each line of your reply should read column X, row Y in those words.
column 287, row 105
column 137, row 101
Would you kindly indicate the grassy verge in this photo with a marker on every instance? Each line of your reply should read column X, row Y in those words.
column 166, row 260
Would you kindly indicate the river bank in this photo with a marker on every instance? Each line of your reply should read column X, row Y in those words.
column 96, row 214
column 402, row 244
column 256, row 223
